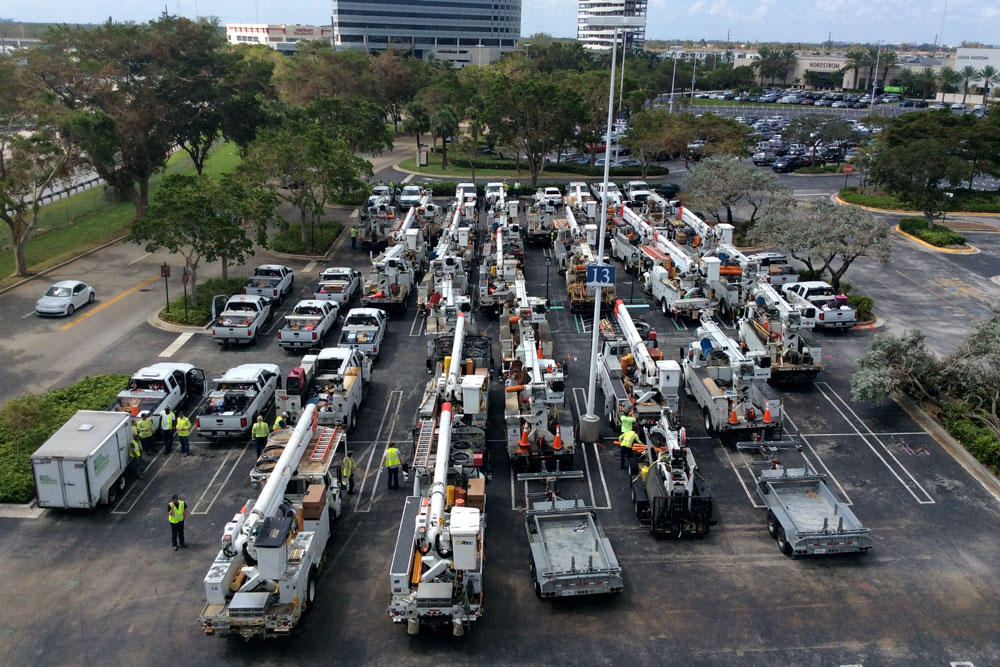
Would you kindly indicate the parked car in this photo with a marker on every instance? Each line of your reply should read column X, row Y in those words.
column 628, row 163
column 764, row 158
column 787, row 163
column 64, row 297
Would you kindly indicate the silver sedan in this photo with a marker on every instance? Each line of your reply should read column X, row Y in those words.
column 64, row 297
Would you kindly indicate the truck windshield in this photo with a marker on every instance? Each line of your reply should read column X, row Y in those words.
column 411, row 191
column 147, row 385
column 268, row 272
column 328, row 365
column 241, row 307
column 360, row 321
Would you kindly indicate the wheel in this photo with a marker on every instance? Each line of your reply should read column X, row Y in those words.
column 69, row 310
column 91, row 298
column 663, row 306
column 708, row 420
column 119, row 485
column 310, row 589
column 783, row 544
column 772, row 524
column 354, row 420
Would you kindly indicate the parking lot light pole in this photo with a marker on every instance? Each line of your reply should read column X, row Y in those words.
column 590, row 424
column 673, row 78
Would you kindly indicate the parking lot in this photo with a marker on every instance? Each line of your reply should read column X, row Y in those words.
column 104, row 587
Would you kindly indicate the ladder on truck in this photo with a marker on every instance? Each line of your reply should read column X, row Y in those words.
column 329, row 439
column 422, row 452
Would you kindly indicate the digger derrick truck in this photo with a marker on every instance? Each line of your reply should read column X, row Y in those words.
column 390, row 280
column 729, row 386
column 263, row 579
column 539, row 429
column 737, row 276
column 580, row 254
column 771, row 326
column 376, row 219
column 436, row 574
column 680, row 284
column 501, row 266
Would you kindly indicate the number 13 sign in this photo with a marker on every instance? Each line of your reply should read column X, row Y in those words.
column 600, row 275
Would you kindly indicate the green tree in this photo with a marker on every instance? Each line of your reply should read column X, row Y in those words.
column 418, row 119
column 906, row 80
column 397, row 80
column 304, row 167
column 444, row 124
column 989, row 76
column 968, row 74
column 357, row 122
column 949, row 79
column 816, row 129
column 204, row 219
column 786, row 61
column 886, row 62
column 856, row 60
column 316, row 71
column 722, row 136
column 724, row 187
column 902, row 364
column 926, row 81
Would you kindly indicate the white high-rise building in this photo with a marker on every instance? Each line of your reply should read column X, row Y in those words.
column 598, row 37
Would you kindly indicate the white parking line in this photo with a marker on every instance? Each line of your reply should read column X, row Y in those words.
column 211, row 482
column 145, row 488
column 739, row 476
column 805, row 437
column 408, row 178
column 171, row 349
column 398, row 395
column 354, row 213
column 139, row 259
column 388, row 439
column 929, row 500
column 309, row 267
column 27, row 315
column 416, row 329
column 225, row 481
column 577, row 394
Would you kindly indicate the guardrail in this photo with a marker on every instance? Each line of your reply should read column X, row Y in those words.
column 73, row 189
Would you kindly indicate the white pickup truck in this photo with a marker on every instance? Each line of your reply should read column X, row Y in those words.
column 308, row 322
column 410, row 197
column 364, row 330
column 157, row 387
column 272, row 281
column 241, row 318
column 239, row 396
column 340, row 284
column 832, row 311
column 775, row 268
column 637, row 192
column 340, row 379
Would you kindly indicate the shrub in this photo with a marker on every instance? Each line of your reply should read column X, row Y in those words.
column 979, row 440
column 821, row 169
column 320, row 237
column 852, row 196
column 29, row 420
column 207, row 289
column 864, row 305
column 939, row 236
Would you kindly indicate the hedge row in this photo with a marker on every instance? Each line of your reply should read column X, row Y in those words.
column 29, row 420
column 852, row 196
column 865, row 305
column 940, row 236
column 962, row 200
column 979, row 440
column 207, row 289
column 289, row 239
column 564, row 167
column 821, row 169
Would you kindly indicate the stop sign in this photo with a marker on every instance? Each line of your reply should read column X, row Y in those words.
column 848, row 168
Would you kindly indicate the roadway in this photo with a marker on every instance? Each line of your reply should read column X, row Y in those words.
column 104, row 586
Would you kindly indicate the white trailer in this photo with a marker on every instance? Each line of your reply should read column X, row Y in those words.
column 84, row 462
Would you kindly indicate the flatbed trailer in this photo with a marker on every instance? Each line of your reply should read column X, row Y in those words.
column 570, row 553
column 803, row 514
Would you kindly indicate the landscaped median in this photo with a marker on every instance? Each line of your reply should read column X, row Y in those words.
column 29, row 420
column 200, row 315
column 963, row 202
column 938, row 238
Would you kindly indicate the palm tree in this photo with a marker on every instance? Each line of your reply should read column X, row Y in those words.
column 906, row 79
column 764, row 53
column 889, row 60
column 444, row 124
column 856, row 59
column 786, row 60
column 968, row 73
column 988, row 75
column 873, row 57
column 417, row 120
column 926, row 81
column 949, row 79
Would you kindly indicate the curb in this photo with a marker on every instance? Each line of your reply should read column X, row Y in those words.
column 877, row 323
column 541, row 176
column 952, row 251
column 962, row 456
column 323, row 255
column 996, row 279
column 895, row 211
column 154, row 321
column 62, row 264
column 17, row 511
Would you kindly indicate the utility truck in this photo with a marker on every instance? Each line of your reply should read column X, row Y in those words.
column 272, row 281
column 772, row 326
column 264, row 577
column 582, row 253
column 241, row 319
column 339, row 284
column 729, row 385
column 153, row 389
column 240, row 395
column 498, row 271
column 364, row 330
column 336, row 379
column 390, row 280
column 307, row 324
column 680, row 285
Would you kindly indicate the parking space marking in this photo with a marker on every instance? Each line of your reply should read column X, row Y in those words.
column 398, row 396
column 232, row 469
column 354, row 213
column 928, row 500
column 139, row 259
column 309, row 267
column 417, row 327
column 388, row 439
column 408, row 178
column 109, row 302
column 26, row 315
column 208, row 487
column 142, row 492
column 739, row 476
column 171, row 349
column 577, row 394
column 963, row 663
column 805, row 438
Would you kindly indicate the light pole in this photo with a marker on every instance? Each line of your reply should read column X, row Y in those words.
column 590, row 423
column 673, row 78
column 878, row 56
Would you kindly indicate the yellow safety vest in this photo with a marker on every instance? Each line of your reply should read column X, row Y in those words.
column 348, row 466
column 176, row 512
column 135, row 451
column 167, row 421
column 260, row 430
column 145, row 428
column 354, row 232
column 628, row 423
column 629, row 439
column 392, row 458
column 279, row 423
column 183, row 427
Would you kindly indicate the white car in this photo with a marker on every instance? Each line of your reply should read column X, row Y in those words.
column 553, row 196
column 64, row 297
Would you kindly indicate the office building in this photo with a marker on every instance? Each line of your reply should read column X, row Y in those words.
column 599, row 38
column 280, row 37
column 463, row 32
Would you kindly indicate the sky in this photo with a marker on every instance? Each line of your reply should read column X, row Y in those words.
column 750, row 21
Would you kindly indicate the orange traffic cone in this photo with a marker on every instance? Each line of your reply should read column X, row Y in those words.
column 523, row 444
column 733, row 419
column 557, row 441
column 767, row 415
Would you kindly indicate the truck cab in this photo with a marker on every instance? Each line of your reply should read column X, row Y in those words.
column 637, row 192
column 410, row 197
column 832, row 309
column 340, row 284
column 775, row 268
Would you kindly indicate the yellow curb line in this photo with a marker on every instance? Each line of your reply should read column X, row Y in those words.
column 970, row 251
column 971, row 214
column 104, row 305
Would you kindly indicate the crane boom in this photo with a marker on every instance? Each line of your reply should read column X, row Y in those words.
column 440, row 483
column 639, row 350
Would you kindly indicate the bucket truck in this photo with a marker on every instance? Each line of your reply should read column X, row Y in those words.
column 375, row 221
column 264, row 576
column 678, row 285
column 635, row 376
column 538, row 428
column 772, row 326
column 436, row 574
column 390, row 280
column 498, row 271
column 737, row 275
column 581, row 253
column 668, row 495
column 729, row 386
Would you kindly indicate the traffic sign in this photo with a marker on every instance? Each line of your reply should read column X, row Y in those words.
column 602, row 275
column 185, row 277
column 164, row 270
column 848, row 168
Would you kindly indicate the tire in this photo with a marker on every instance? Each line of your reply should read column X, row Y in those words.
column 113, row 491
column 663, row 307
column 772, row 525
column 91, row 298
column 708, row 420
column 310, row 589
column 70, row 310
column 354, row 420
column 783, row 544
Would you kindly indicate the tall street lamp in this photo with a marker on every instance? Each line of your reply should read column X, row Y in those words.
column 590, row 423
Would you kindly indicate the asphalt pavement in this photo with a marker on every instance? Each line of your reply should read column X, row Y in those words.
column 104, row 587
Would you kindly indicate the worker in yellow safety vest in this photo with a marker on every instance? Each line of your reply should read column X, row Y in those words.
column 281, row 421
column 392, row 463
column 626, row 444
column 175, row 514
column 184, row 433
column 145, row 427
column 168, row 421
column 348, row 471
column 260, row 433
column 135, row 457
column 354, row 237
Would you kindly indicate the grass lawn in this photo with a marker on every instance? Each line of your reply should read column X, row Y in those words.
column 434, row 169
column 85, row 220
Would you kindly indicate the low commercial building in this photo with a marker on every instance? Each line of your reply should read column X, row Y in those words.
column 280, row 37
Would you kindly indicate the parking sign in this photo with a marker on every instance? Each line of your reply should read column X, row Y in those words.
column 600, row 275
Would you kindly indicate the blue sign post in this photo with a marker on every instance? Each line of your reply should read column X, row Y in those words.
column 600, row 275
